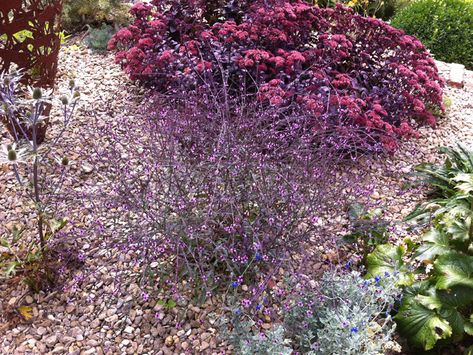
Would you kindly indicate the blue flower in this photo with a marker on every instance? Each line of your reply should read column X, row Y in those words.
column 235, row 284
column 387, row 274
column 354, row 330
column 376, row 280
column 258, row 307
column 258, row 256
column 348, row 265
column 237, row 311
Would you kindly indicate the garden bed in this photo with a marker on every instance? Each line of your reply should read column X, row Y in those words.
column 101, row 313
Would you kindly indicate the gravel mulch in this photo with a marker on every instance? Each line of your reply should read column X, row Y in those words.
column 99, row 315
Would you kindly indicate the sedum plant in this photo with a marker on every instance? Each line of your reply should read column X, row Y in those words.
column 438, row 307
column 351, row 73
column 33, row 168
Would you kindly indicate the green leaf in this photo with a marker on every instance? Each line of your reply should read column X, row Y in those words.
column 57, row 225
column 10, row 268
column 468, row 328
column 435, row 243
column 458, row 296
column 454, row 269
column 422, row 326
column 460, row 230
column 431, row 301
column 456, row 321
column 388, row 258
column 351, row 238
column 171, row 304
column 17, row 233
column 465, row 181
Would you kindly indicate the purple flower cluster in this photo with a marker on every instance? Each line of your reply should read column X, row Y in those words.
column 221, row 191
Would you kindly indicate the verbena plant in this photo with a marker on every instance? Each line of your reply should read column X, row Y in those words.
column 352, row 73
column 438, row 307
column 218, row 191
column 33, row 168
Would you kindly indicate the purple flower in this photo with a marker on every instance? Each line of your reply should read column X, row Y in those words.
column 376, row 280
column 246, row 302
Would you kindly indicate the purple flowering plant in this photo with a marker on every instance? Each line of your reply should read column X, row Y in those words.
column 218, row 190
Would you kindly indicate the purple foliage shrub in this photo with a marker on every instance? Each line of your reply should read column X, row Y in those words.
column 345, row 70
column 218, row 191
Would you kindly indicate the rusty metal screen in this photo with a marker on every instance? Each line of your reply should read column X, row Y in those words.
column 29, row 38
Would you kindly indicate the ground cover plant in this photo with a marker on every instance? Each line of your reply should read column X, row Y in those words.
column 98, row 38
column 437, row 303
column 443, row 26
column 353, row 73
column 343, row 313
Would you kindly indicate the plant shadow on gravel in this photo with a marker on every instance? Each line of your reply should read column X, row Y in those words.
column 46, row 274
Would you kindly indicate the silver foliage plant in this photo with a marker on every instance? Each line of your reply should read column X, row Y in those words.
column 342, row 314
column 35, row 166
column 354, row 314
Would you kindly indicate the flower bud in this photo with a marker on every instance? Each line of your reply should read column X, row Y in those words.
column 76, row 94
column 9, row 147
column 72, row 84
column 37, row 94
column 64, row 100
column 65, row 161
column 12, row 155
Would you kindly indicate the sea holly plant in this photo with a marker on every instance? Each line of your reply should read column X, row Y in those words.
column 438, row 307
column 32, row 165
